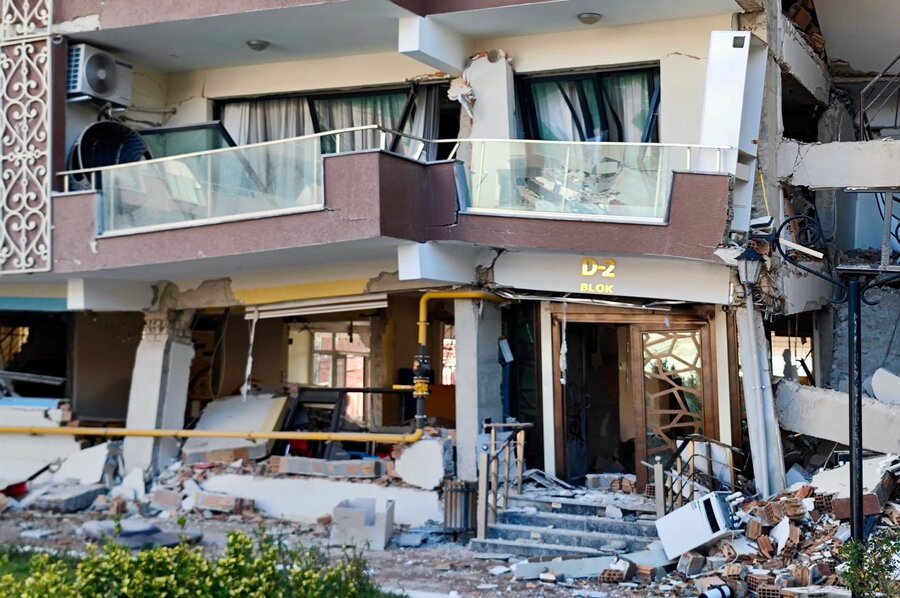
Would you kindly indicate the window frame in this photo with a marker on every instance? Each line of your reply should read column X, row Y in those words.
column 526, row 103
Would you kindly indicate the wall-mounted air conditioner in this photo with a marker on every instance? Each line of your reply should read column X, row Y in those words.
column 99, row 75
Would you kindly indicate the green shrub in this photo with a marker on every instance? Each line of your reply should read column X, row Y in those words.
column 872, row 567
column 248, row 568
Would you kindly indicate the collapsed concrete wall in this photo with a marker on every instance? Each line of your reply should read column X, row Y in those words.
column 880, row 338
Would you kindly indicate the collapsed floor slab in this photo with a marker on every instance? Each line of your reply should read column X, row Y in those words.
column 304, row 500
column 823, row 413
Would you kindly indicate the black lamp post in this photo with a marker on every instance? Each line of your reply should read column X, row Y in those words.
column 853, row 293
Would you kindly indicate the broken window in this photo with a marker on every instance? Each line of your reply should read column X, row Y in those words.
column 597, row 106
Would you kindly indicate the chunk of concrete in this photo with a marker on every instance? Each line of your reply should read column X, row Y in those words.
column 256, row 413
column 809, row 410
column 350, row 468
column 878, row 484
column 358, row 523
column 886, row 386
column 278, row 497
column 574, row 568
column 84, row 467
column 100, row 529
column 132, row 487
column 424, row 464
column 68, row 498
column 220, row 503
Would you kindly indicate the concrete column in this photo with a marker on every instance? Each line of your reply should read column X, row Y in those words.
column 478, row 379
column 159, row 385
column 764, row 432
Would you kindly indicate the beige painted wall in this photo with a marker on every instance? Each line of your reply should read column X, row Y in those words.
column 679, row 46
column 191, row 93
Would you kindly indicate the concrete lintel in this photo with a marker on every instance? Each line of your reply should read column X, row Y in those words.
column 108, row 295
column 797, row 58
column 429, row 42
column 840, row 165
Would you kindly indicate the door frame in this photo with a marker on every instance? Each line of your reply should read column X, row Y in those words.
column 700, row 317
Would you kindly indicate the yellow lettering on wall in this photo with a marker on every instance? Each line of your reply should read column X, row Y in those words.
column 589, row 266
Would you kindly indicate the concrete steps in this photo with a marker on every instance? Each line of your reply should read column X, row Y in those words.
column 602, row 542
column 529, row 549
column 537, row 525
column 580, row 523
column 575, row 506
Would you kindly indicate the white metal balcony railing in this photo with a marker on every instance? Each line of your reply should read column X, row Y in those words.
column 618, row 182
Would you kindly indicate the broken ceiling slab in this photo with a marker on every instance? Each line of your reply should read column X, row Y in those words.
column 574, row 568
column 811, row 411
column 256, row 413
column 878, row 483
column 85, row 466
column 23, row 456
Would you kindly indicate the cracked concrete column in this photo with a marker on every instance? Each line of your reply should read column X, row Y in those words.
column 159, row 385
column 478, row 378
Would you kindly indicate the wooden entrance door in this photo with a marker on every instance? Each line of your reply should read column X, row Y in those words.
column 670, row 378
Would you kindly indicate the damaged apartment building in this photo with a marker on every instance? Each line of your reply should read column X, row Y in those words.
column 372, row 217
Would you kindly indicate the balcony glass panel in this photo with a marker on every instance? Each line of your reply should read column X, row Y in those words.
column 237, row 182
column 606, row 181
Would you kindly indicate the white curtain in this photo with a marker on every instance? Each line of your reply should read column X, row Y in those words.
column 559, row 111
column 254, row 121
column 385, row 109
column 627, row 104
column 278, row 176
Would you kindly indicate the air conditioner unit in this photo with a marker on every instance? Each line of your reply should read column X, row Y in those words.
column 98, row 75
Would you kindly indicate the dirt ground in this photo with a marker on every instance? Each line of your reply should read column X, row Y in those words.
column 435, row 569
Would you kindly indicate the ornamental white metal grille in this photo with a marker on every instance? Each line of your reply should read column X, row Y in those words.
column 25, row 134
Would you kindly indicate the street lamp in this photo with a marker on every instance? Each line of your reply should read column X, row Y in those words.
column 853, row 292
column 750, row 264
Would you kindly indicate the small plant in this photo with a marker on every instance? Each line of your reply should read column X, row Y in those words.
column 251, row 568
column 873, row 568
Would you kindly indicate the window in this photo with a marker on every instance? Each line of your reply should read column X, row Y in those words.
column 598, row 106
column 341, row 359
column 448, row 354
column 420, row 110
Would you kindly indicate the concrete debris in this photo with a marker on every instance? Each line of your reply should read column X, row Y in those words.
column 69, row 498
column 356, row 468
column 886, row 386
column 878, row 484
column 809, row 410
column 85, row 467
column 257, row 413
column 220, row 503
column 574, row 568
column 360, row 524
column 426, row 463
column 133, row 486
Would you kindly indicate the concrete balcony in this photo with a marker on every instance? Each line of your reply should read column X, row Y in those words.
column 285, row 202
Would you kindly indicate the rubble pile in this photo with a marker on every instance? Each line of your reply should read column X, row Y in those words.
column 725, row 545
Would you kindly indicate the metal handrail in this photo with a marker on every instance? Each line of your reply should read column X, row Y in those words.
column 489, row 481
column 863, row 107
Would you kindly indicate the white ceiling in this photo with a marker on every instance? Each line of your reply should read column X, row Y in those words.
column 300, row 32
column 865, row 33
column 351, row 27
column 561, row 15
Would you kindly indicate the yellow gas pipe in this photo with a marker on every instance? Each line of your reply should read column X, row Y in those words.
column 420, row 392
column 132, row 433
column 421, row 363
